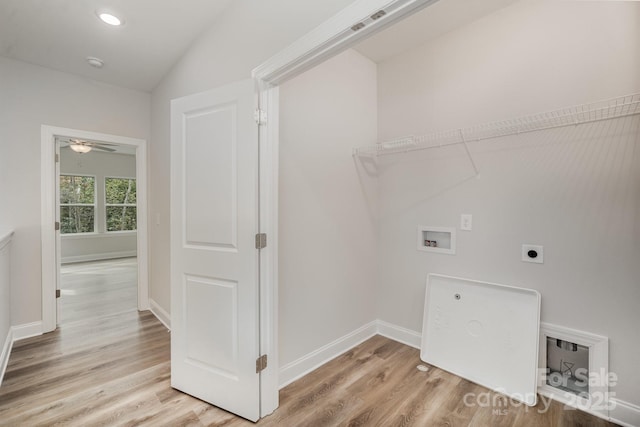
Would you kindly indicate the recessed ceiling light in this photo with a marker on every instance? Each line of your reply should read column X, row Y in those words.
column 95, row 62
column 109, row 19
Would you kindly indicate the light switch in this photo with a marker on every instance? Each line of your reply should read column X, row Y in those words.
column 465, row 222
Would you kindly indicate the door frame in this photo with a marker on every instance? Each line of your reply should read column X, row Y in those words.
column 325, row 41
column 48, row 205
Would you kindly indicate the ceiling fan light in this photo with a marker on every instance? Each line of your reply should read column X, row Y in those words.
column 80, row 148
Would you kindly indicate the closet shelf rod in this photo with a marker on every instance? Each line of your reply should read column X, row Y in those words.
column 622, row 106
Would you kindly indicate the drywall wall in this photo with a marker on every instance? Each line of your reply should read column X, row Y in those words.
column 574, row 190
column 327, row 226
column 33, row 96
column 244, row 36
column 5, row 299
column 98, row 245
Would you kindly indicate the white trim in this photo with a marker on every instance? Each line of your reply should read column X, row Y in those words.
column 49, row 237
column 6, row 352
column 98, row 257
column 27, row 330
column 400, row 334
column 330, row 38
column 598, row 363
column 334, row 36
column 309, row 362
column 269, row 155
column 97, row 235
column 160, row 313
column 624, row 413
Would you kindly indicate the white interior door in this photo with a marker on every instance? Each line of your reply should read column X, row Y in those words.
column 214, row 262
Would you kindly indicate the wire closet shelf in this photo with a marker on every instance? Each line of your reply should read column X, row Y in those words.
column 622, row 106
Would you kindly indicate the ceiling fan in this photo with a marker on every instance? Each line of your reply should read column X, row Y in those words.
column 83, row 146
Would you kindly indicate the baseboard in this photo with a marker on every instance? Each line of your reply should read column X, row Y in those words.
column 302, row 366
column 27, row 330
column 6, row 352
column 160, row 313
column 98, row 257
column 624, row 413
column 400, row 334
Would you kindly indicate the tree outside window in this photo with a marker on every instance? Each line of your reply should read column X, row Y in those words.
column 77, row 204
column 120, row 206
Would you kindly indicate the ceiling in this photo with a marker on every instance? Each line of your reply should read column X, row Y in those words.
column 429, row 23
column 60, row 34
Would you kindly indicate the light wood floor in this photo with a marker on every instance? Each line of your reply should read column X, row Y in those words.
column 93, row 289
column 114, row 370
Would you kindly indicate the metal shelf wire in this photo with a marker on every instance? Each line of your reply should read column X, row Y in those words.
column 622, row 106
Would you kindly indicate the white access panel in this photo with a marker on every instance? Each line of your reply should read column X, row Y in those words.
column 484, row 332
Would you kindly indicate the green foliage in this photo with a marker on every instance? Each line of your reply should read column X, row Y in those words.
column 76, row 191
column 121, row 218
column 76, row 219
column 120, row 192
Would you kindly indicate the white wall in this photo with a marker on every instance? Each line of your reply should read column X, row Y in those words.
column 33, row 96
column 328, row 269
column 243, row 37
column 574, row 190
column 99, row 245
column 5, row 299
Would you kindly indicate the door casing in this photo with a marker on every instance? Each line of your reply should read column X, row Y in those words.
column 328, row 39
column 48, row 205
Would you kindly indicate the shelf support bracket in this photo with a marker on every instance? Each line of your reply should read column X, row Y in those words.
column 466, row 147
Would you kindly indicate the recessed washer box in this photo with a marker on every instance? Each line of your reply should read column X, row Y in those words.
column 437, row 239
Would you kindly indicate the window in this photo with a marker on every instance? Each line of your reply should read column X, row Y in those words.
column 120, row 204
column 77, row 204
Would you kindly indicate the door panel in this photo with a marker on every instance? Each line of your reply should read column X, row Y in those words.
column 214, row 263
column 210, row 148
column 212, row 302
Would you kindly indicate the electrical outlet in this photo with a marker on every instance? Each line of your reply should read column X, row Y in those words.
column 532, row 253
column 465, row 222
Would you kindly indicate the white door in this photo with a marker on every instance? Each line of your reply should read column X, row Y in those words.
column 214, row 262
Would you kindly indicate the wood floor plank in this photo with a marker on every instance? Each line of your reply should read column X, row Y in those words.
column 115, row 371
column 97, row 288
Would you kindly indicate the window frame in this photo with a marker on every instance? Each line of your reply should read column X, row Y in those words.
column 106, row 205
column 94, row 205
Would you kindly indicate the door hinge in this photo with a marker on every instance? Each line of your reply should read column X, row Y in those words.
column 57, row 293
column 57, row 226
column 261, row 241
column 261, row 363
column 57, row 158
column 260, row 116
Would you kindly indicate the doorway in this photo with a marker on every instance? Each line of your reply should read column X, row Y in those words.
column 97, row 212
column 78, row 218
